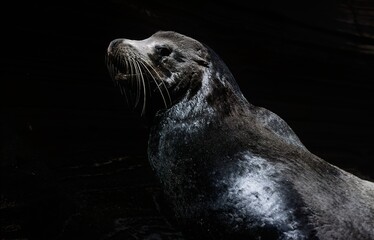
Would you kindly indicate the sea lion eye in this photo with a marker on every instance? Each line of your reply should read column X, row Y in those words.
column 163, row 50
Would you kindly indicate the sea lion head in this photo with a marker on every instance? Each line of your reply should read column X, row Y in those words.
column 168, row 65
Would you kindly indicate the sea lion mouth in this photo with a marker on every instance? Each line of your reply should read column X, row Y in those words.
column 119, row 68
column 136, row 79
column 119, row 76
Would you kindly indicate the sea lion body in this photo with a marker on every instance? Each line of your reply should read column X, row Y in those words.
column 232, row 170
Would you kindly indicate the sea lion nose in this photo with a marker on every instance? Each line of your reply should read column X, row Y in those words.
column 114, row 44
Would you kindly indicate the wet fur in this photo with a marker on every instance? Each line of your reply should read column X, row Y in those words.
column 232, row 170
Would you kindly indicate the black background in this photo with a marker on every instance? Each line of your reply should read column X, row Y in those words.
column 73, row 156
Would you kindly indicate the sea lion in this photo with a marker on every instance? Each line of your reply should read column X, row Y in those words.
column 232, row 170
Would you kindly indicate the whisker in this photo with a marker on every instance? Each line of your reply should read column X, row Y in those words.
column 113, row 74
column 124, row 93
column 134, row 83
column 149, row 84
column 161, row 83
column 122, row 63
column 154, row 79
column 137, row 81
column 144, row 88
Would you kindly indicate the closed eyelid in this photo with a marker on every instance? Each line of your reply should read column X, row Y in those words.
column 163, row 50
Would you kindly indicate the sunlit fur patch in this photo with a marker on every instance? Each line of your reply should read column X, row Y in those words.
column 257, row 193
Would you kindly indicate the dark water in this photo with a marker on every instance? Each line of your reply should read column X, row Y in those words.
column 105, row 198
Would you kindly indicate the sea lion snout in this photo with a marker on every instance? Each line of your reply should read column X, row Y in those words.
column 114, row 45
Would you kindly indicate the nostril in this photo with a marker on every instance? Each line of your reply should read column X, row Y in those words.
column 114, row 44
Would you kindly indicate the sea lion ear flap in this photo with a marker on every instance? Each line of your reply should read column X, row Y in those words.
column 201, row 61
column 202, row 58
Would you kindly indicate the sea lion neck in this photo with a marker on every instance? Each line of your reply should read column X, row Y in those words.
column 213, row 101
